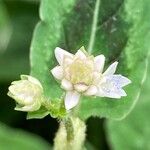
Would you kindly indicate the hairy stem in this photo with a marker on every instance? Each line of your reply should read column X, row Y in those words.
column 94, row 26
column 69, row 129
column 71, row 135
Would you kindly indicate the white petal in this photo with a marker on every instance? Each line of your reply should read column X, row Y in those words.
column 60, row 53
column 107, row 89
column 17, row 86
column 99, row 63
column 97, row 78
column 57, row 72
column 100, row 93
column 92, row 90
column 118, row 80
column 121, row 92
column 112, row 87
column 24, row 108
column 80, row 54
column 30, row 108
column 106, row 92
column 35, row 81
column 71, row 99
column 25, row 99
column 31, row 79
column 111, row 69
column 67, row 85
column 80, row 87
column 68, row 61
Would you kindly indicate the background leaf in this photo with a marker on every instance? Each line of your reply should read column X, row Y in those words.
column 15, row 140
column 132, row 132
column 122, row 33
column 5, row 28
column 132, row 21
column 15, row 59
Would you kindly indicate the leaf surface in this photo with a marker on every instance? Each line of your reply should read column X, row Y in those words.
column 122, row 32
column 134, row 129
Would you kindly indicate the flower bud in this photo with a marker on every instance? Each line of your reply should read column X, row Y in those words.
column 27, row 93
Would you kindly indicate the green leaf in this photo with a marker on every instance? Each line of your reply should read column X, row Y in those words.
column 41, row 113
column 132, row 132
column 55, row 108
column 122, row 33
column 17, row 139
column 46, row 37
column 132, row 19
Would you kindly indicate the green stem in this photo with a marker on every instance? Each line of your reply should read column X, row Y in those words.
column 70, row 135
column 94, row 26
column 69, row 129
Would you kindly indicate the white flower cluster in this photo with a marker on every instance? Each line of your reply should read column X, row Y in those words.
column 83, row 74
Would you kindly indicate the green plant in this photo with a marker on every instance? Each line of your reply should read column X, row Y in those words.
column 119, row 35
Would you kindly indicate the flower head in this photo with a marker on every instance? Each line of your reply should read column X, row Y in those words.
column 27, row 92
column 83, row 74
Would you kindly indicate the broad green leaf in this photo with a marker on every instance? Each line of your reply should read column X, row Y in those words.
column 132, row 18
column 122, row 33
column 133, row 132
column 17, row 139
column 47, row 35
column 5, row 28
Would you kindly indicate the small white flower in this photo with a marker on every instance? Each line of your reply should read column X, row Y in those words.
column 27, row 92
column 83, row 74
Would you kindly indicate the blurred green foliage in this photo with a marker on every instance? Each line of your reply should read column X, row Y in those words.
column 22, row 17
column 122, row 34
column 5, row 28
column 15, row 140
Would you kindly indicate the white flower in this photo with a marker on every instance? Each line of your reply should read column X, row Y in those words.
column 27, row 92
column 83, row 74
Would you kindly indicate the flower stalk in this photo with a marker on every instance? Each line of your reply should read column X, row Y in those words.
column 69, row 129
column 70, row 135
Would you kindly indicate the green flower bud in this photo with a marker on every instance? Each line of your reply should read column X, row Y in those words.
column 27, row 92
